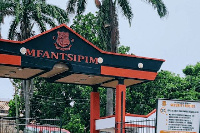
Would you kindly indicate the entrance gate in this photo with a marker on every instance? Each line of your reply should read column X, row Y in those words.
column 63, row 56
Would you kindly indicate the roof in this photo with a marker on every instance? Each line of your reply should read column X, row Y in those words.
column 4, row 105
column 62, row 55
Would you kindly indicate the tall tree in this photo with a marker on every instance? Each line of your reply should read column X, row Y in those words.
column 29, row 12
column 141, row 99
column 25, row 14
column 108, row 20
column 192, row 73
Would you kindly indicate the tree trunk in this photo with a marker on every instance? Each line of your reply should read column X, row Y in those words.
column 27, row 99
column 114, row 41
column 109, row 104
column 27, row 84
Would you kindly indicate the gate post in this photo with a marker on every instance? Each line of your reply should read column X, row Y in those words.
column 120, row 107
column 94, row 109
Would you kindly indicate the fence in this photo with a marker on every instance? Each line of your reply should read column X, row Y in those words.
column 22, row 125
column 139, row 126
column 7, row 125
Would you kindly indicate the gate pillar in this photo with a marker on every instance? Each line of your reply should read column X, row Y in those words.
column 120, row 108
column 94, row 110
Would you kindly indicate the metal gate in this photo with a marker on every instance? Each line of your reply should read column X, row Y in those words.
column 139, row 126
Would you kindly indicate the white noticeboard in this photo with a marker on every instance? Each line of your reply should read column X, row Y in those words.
column 176, row 116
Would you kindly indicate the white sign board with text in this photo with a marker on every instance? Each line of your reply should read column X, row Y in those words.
column 176, row 116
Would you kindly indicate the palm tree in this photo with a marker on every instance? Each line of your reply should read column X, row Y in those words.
column 108, row 19
column 26, row 14
column 109, row 34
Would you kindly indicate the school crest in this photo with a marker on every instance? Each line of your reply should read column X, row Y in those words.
column 63, row 41
column 164, row 103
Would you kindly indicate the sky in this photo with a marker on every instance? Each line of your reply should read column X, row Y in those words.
column 175, row 38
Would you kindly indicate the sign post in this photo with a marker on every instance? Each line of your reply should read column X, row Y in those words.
column 177, row 116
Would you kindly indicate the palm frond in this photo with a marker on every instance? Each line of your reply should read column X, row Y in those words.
column 126, row 9
column 62, row 16
column 71, row 5
column 81, row 6
column 7, row 13
column 40, row 24
column 6, row 8
column 48, row 20
column 26, row 12
column 12, row 30
column 159, row 6
column 55, row 12
column 76, row 6
column 18, row 11
column 38, row 10
column 49, row 10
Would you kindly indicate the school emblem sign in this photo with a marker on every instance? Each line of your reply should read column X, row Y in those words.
column 63, row 41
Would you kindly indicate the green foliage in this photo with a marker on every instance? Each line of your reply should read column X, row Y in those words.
column 78, row 7
column 12, row 105
column 192, row 70
column 141, row 99
column 12, row 110
column 192, row 73
column 17, row 98
column 108, row 17
column 27, row 13
column 73, row 121
column 126, row 9
column 87, row 26
column 159, row 6
column 52, row 100
column 123, row 49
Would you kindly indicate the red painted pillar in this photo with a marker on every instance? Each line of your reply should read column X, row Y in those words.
column 94, row 110
column 120, row 108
